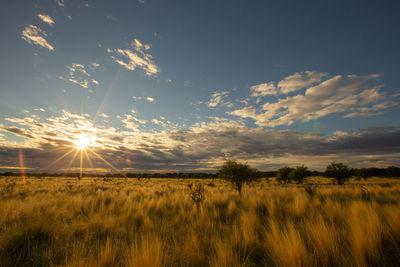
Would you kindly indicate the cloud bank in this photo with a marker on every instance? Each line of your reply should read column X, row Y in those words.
column 203, row 146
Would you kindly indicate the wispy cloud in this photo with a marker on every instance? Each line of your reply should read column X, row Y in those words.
column 34, row 35
column 135, row 56
column 148, row 98
column 60, row 3
column 217, row 98
column 79, row 75
column 46, row 19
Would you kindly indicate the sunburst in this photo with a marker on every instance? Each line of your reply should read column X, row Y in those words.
column 83, row 146
column 84, row 141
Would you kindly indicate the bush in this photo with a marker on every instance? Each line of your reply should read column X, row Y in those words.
column 299, row 173
column 340, row 172
column 237, row 174
column 282, row 175
column 364, row 173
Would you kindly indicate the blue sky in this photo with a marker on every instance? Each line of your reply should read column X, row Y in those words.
column 184, row 85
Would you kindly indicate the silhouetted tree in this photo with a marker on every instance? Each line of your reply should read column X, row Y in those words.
column 299, row 173
column 338, row 171
column 282, row 174
column 237, row 173
column 364, row 173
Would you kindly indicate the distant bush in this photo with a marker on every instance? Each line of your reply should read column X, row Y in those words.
column 364, row 173
column 299, row 173
column 339, row 171
column 237, row 173
column 282, row 174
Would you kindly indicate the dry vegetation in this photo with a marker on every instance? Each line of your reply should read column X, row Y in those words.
column 117, row 222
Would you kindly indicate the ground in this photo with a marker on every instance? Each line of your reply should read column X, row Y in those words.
column 127, row 222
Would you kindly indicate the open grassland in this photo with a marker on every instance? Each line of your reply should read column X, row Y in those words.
column 119, row 222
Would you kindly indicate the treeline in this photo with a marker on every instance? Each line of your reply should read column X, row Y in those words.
column 362, row 172
column 194, row 175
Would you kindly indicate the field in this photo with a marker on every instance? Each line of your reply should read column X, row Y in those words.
column 126, row 222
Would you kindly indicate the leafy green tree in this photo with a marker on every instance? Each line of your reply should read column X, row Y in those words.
column 339, row 171
column 237, row 173
column 299, row 173
column 282, row 174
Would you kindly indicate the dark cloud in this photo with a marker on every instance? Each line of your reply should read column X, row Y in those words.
column 51, row 147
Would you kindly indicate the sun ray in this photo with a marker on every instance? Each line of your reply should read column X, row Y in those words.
column 81, row 165
column 73, row 159
column 109, row 90
column 60, row 158
column 109, row 164
column 88, row 159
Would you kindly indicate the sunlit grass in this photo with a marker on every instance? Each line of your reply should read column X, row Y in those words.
column 126, row 222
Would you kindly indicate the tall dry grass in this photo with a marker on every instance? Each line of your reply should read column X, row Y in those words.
column 97, row 222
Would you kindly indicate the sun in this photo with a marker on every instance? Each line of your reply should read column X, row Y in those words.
column 83, row 141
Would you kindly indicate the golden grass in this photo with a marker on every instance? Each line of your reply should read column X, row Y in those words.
column 118, row 222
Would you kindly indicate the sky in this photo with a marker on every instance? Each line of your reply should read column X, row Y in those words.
column 168, row 86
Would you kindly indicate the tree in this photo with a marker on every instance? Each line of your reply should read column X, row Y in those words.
column 364, row 173
column 282, row 175
column 338, row 171
column 299, row 173
column 237, row 173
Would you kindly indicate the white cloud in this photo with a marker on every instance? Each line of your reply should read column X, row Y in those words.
column 60, row 2
column 336, row 95
column 150, row 99
column 300, row 80
column 131, row 122
column 263, row 89
column 46, row 19
column 134, row 57
column 217, row 98
column 79, row 75
column 94, row 65
column 246, row 112
column 34, row 35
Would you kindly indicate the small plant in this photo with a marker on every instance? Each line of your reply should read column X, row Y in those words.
column 310, row 190
column 8, row 188
column 365, row 194
column 211, row 184
column 196, row 192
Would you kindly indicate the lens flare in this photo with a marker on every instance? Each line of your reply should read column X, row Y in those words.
column 21, row 164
